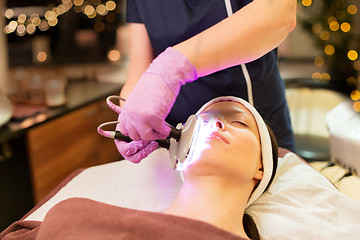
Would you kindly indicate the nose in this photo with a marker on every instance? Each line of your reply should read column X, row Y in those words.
column 219, row 124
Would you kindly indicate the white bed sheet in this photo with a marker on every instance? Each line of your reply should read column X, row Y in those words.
column 300, row 204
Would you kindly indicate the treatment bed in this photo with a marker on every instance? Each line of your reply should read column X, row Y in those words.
column 300, row 204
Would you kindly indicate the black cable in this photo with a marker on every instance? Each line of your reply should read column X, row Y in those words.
column 347, row 174
column 330, row 164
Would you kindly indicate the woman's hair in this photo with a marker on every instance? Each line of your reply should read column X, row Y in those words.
column 248, row 222
column 250, row 227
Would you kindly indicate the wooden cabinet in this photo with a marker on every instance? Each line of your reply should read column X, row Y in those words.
column 62, row 145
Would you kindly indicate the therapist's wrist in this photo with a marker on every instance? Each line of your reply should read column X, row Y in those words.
column 174, row 67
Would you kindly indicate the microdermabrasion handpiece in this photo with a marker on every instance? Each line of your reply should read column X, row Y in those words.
column 163, row 143
column 180, row 142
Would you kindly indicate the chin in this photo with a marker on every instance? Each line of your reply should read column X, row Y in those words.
column 205, row 159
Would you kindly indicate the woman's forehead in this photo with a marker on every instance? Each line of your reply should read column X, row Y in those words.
column 228, row 107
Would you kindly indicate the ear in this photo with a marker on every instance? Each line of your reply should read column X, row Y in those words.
column 259, row 174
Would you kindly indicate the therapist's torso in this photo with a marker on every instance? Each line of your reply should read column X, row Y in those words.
column 169, row 22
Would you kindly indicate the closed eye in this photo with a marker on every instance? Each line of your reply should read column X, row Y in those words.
column 239, row 123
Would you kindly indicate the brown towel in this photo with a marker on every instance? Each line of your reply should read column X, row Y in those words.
column 79, row 218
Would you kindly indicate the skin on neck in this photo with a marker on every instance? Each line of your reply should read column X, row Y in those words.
column 215, row 201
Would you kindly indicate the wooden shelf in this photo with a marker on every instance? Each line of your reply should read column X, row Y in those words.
column 62, row 145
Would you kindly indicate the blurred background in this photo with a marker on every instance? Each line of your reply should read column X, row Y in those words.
column 59, row 59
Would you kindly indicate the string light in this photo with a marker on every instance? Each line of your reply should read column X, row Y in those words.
column 330, row 32
column 27, row 24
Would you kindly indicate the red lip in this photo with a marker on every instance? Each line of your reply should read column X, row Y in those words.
column 218, row 135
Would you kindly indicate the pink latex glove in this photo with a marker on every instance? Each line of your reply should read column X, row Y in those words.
column 135, row 151
column 144, row 112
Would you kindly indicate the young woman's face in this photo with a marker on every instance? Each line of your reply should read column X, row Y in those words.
column 229, row 143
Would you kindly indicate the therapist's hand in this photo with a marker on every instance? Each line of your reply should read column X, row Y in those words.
column 143, row 114
column 135, row 151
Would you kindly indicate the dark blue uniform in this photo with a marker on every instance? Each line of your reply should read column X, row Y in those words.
column 169, row 22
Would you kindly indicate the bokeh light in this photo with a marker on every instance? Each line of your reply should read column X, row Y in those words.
column 99, row 26
column 356, row 106
column 114, row 55
column 355, row 95
column 357, row 65
column 110, row 5
column 325, row 77
column 9, row 13
column 352, row 9
column 35, row 19
column 101, row 9
column 329, row 50
column 21, row 18
column 316, row 28
column 316, row 76
column 319, row 61
column 334, row 26
column 43, row 26
column 50, row 15
column 351, row 81
column 12, row 26
column 345, row 27
column 352, row 55
column 41, row 56
column 325, row 35
column 306, row 3
column 21, row 30
column 78, row 2
column 89, row 11
column 331, row 19
column 53, row 22
column 30, row 29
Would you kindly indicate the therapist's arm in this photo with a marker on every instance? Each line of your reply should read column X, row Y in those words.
column 247, row 35
column 140, row 56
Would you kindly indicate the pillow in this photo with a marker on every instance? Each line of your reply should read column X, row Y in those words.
column 300, row 204
column 303, row 204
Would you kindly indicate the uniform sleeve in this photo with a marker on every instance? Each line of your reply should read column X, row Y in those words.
column 132, row 12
